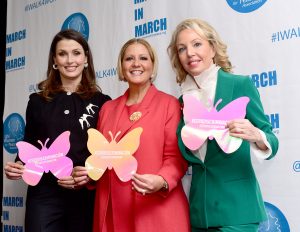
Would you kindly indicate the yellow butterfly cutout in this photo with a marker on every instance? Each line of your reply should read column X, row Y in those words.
column 114, row 155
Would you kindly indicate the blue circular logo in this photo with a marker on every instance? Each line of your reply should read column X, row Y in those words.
column 78, row 22
column 296, row 166
column 13, row 132
column 276, row 221
column 245, row 6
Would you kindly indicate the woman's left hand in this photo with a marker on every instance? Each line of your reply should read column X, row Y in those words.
column 147, row 183
column 77, row 179
column 244, row 129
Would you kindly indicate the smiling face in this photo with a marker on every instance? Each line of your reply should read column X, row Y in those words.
column 70, row 58
column 137, row 65
column 195, row 53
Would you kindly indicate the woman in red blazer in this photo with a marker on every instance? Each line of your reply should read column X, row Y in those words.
column 154, row 199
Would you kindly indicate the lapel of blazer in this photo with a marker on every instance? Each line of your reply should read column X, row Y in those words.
column 224, row 91
column 114, row 119
column 124, row 125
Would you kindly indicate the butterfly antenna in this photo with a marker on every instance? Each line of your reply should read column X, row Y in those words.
column 111, row 136
column 46, row 142
column 210, row 102
column 218, row 102
column 39, row 141
column 117, row 135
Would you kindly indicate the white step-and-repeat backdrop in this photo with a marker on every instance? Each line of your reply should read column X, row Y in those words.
column 263, row 39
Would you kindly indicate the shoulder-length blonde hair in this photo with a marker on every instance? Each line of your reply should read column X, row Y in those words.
column 52, row 84
column 205, row 31
column 151, row 51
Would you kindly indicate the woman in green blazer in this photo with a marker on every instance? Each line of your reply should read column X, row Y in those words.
column 224, row 194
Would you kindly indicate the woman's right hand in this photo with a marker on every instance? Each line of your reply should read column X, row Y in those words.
column 14, row 171
column 80, row 176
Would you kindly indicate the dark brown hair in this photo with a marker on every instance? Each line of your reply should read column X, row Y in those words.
column 53, row 85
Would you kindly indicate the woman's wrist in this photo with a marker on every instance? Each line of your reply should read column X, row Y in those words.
column 165, row 185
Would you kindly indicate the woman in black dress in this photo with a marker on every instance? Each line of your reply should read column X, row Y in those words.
column 69, row 100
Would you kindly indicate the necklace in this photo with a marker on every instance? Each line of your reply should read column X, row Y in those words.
column 135, row 116
column 70, row 89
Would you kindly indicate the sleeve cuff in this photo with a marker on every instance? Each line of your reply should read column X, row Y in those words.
column 260, row 154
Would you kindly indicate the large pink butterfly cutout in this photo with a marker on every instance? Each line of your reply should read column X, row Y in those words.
column 202, row 123
column 112, row 154
column 52, row 159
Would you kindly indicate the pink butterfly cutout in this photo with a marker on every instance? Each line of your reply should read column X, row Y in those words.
column 112, row 154
column 52, row 159
column 202, row 123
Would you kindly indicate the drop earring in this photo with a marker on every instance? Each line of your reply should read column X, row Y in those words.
column 151, row 77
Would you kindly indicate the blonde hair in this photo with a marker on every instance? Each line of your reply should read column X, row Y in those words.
column 151, row 51
column 205, row 31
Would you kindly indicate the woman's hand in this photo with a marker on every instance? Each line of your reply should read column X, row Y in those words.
column 244, row 129
column 147, row 183
column 78, row 178
column 14, row 171
column 67, row 182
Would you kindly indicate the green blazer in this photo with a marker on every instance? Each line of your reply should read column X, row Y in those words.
column 224, row 189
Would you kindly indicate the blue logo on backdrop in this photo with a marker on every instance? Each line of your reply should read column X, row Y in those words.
column 274, row 119
column 13, row 132
column 265, row 79
column 276, row 221
column 296, row 166
column 33, row 88
column 147, row 27
column 111, row 72
column 245, row 6
column 78, row 22
column 286, row 34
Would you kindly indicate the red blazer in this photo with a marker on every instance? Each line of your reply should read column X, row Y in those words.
column 158, row 153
